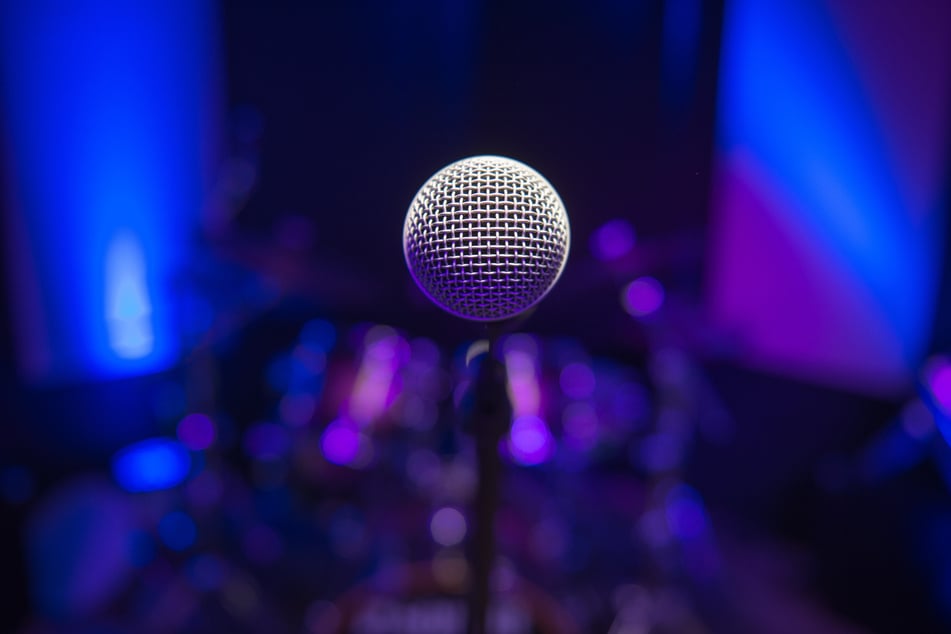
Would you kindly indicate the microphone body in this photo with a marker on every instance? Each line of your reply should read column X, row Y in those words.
column 486, row 238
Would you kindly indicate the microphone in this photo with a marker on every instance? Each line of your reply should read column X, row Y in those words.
column 486, row 238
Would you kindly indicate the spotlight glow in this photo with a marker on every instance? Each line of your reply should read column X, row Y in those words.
column 107, row 185
column 128, row 308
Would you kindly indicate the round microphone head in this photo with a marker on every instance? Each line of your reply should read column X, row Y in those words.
column 486, row 238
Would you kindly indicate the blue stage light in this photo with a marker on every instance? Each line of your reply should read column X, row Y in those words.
column 109, row 117
column 151, row 465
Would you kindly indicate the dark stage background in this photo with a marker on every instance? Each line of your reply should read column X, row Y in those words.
column 228, row 407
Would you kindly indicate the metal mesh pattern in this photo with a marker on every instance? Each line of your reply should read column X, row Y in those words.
column 486, row 237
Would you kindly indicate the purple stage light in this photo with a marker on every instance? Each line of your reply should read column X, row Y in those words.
column 577, row 380
column 643, row 296
column 375, row 388
column 521, row 342
column 940, row 382
column 341, row 442
column 613, row 240
column 530, row 441
column 196, row 431
column 523, row 384
column 937, row 378
column 829, row 187
column 521, row 354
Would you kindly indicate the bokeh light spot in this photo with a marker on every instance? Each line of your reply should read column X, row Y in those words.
column 341, row 442
column 196, row 431
column 686, row 517
column 643, row 296
column 613, row 240
column 530, row 441
column 178, row 530
column 448, row 526
column 577, row 380
column 151, row 465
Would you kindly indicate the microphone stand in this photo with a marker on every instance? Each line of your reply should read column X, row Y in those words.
column 489, row 420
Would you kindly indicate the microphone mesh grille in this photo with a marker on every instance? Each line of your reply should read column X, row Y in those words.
column 486, row 237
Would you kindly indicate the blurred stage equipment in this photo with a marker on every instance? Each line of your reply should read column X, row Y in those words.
column 486, row 238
